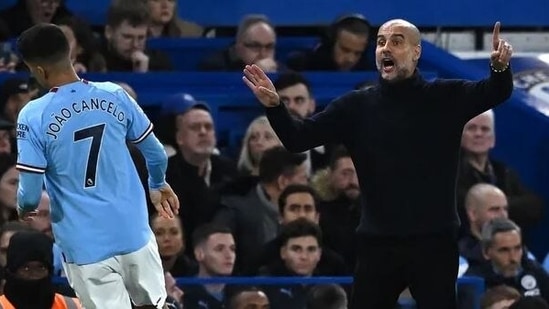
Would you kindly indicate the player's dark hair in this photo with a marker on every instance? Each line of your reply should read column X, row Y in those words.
column 43, row 44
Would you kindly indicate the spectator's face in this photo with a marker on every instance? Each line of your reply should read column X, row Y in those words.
column 502, row 304
column 301, row 255
column 5, row 141
column 42, row 222
column 4, row 243
column 125, row 39
column 42, row 11
column 506, row 253
column 299, row 205
column 32, row 271
column 257, row 43
column 169, row 236
column 298, row 100
column 8, row 188
column 397, row 51
column 299, row 176
column 195, row 132
column 262, row 137
column 493, row 204
column 478, row 135
column 217, row 255
column 348, row 49
column 251, row 300
column 161, row 11
column 344, row 179
column 171, row 288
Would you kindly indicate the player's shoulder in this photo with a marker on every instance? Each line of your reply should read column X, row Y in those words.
column 35, row 107
column 106, row 86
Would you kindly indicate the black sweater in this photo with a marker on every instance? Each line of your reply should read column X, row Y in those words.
column 404, row 139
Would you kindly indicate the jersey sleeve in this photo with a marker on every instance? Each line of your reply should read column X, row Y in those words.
column 139, row 125
column 30, row 143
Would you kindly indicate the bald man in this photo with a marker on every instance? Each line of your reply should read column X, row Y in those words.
column 404, row 138
column 483, row 203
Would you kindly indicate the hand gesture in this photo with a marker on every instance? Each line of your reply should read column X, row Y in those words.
column 501, row 50
column 165, row 201
column 261, row 86
column 140, row 61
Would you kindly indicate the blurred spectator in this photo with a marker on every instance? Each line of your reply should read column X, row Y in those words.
column 330, row 296
column 29, row 268
column 477, row 166
column 499, row 297
column 214, row 249
column 342, row 48
column 175, row 294
column 6, row 232
column 9, row 181
column 253, row 217
column 255, row 42
column 196, row 173
column 26, row 13
column 258, row 138
column 8, row 58
column 502, row 246
column 85, row 53
column 171, row 246
column 339, row 205
column 165, row 23
column 7, row 144
column 249, row 298
column 300, row 253
column 126, row 35
column 14, row 94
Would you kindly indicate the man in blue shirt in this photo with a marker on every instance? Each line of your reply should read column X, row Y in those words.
column 75, row 137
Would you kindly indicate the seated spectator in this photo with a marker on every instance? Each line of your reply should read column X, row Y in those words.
column 296, row 93
column 300, row 253
column 534, row 302
column 214, row 249
column 29, row 268
column 483, row 203
column 6, row 138
column 330, row 296
column 27, row 13
column 165, row 23
column 342, row 49
column 253, row 217
column 6, row 232
column 502, row 246
column 196, row 172
column 477, row 166
column 259, row 137
column 249, row 298
column 255, row 43
column 339, row 204
column 295, row 202
column 171, row 246
column 85, row 54
column 499, row 297
column 14, row 94
column 9, row 180
column 125, row 46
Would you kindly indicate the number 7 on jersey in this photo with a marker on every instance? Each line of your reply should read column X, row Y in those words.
column 96, row 135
